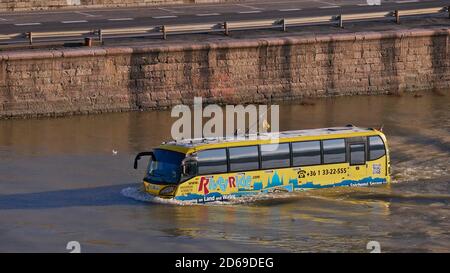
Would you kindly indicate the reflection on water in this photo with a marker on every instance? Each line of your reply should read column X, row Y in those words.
column 60, row 181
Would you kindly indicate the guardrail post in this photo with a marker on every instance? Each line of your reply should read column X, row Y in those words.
column 88, row 41
column 341, row 23
column 397, row 16
column 164, row 31
column 225, row 26
column 30, row 37
column 283, row 24
column 100, row 36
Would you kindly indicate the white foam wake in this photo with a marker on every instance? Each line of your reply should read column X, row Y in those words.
column 138, row 194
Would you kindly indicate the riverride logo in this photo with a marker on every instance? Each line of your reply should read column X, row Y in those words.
column 240, row 181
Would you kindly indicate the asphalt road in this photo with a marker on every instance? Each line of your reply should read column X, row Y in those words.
column 86, row 18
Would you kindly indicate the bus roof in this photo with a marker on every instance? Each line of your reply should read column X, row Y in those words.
column 197, row 144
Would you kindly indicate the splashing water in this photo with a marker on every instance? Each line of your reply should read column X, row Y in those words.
column 138, row 194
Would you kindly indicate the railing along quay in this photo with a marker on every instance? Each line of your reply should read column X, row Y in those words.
column 226, row 27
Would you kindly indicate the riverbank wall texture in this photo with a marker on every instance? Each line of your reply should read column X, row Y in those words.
column 14, row 5
column 106, row 79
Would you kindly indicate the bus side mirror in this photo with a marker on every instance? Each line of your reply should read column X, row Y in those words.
column 136, row 161
column 189, row 168
column 139, row 155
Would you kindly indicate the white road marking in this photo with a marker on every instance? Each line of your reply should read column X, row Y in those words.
column 250, row 11
column 147, row 8
column 170, row 10
column 27, row 24
column 164, row 17
column 289, row 9
column 362, row 5
column 325, row 2
column 247, row 6
column 86, row 14
column 329, row 7
column 406, row 1
column 74, row 22
column 208, row 14
column 121, row 19
column 2, row 19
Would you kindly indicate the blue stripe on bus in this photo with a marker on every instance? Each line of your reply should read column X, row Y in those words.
column 216, row 196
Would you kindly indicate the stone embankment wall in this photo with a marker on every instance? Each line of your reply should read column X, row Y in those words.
column 14, row 5
column 103, row 79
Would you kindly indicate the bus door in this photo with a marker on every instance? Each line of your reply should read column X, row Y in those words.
column 357, row 159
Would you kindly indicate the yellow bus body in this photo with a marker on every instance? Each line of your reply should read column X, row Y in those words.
column 222, row 186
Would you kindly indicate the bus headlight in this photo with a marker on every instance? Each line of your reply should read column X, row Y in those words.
column 167, row 190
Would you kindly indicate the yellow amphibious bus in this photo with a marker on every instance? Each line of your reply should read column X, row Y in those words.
column 210, row 169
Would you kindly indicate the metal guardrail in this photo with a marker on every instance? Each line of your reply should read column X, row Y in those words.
column 224, row 27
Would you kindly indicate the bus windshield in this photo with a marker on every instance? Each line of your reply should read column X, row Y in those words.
column 165, row 167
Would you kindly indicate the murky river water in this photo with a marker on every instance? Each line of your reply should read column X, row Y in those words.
column 60, row 181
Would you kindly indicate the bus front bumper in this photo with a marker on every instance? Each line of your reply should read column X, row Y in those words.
column 163, row 191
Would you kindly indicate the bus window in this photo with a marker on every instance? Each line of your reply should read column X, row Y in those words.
column 244, row 158
column 333, row 151
column 376, row 147
column 275, row 156
column 357, row 154
column 306, row 153
column 212, row 161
